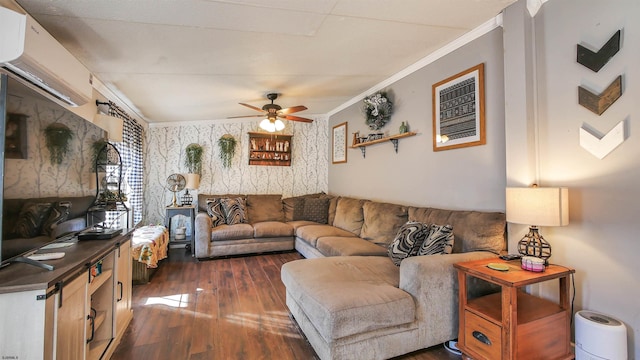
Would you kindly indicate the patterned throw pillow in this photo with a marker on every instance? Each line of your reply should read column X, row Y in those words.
column 234, row 210
column 59, row 214
column 439, row 241
column 215, row 211
column 408, row 241
column 316, row 209
column 30, row 220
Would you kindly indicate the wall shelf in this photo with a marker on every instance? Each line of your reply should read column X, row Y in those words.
column 268, row 149
column 393, row 138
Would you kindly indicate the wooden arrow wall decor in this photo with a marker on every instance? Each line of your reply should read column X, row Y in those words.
column 599, row 103
column 601, row 147
column 596, row 60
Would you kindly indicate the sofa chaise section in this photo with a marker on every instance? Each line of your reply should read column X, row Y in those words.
column 366, row 305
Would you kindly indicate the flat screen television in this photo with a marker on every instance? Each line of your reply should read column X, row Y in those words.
column 28, row 169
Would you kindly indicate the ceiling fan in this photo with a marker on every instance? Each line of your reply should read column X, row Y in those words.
column 273, row 113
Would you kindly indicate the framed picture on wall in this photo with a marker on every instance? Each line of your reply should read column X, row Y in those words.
column 15, row 141
column 339, row 148
column 458, row 110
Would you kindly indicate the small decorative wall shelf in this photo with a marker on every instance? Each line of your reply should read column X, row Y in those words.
column 393, row 138
column 269, row 149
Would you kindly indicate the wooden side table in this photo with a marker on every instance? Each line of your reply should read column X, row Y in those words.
column 512, row 324
column 188, row 211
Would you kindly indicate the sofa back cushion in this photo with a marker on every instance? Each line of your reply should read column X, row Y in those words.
column 472, row 230
column 294, row 206
column 382, row 221
column 349, row 215
column 262, row 208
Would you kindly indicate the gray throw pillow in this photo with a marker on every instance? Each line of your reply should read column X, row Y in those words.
column 439, row 241
column 408, row 241
column 316, row 209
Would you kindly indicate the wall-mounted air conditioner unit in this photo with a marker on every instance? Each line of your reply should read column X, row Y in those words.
column 28, row 51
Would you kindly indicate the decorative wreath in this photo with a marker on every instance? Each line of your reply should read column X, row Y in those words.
column 378, row 109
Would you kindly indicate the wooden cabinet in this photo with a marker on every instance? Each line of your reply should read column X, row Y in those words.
column 269, row 149
column 79, row 310
column 512, row 324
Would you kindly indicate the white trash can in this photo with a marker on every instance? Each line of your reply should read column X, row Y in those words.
column 599, row 337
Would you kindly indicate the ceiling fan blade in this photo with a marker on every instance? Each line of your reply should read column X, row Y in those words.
column 295, row 118
column 251, row 107
column 245, row 116
column 292, row 109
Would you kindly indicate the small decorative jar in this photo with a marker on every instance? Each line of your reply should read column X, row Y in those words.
column 403, row 128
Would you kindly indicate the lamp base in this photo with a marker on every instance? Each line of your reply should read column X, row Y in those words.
column 533, row 244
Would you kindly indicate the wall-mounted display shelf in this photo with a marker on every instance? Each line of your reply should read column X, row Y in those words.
column 269, row 149
column 393, row 138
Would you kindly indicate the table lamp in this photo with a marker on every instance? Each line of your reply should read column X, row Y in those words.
column 193, row 182
column 542, row 206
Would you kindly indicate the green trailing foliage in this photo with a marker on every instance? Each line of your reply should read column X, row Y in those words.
column 58, row 141
column 227, row 144
column 193, row 158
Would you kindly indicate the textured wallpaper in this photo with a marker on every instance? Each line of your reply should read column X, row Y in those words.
column 35, row 176
column 165, row 146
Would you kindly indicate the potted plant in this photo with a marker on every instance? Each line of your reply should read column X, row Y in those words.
column 57, row 139
column 96, row 150
column 193, row 158
column 227, row 144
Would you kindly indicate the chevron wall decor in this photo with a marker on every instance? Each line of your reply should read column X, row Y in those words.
column 599, row 103
column 596, row 60
column 602, row 146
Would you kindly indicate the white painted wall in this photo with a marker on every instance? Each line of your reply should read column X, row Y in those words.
column 467, row 178
column 601, row 242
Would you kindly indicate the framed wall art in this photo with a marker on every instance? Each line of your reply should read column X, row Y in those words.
column 339, row 148
column 15, row 141
column 458, row 110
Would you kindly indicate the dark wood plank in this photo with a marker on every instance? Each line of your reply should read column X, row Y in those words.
column 228, row 308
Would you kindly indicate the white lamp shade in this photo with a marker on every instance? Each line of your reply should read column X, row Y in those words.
column 267, row 125
column 111, row 124
column 538, row 206
column 193, row 181
column 279, row 125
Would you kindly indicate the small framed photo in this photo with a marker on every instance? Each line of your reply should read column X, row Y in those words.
column 339, row 146
column 458, row 110
column 15, row 137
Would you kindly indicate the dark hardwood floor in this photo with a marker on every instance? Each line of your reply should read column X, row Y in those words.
column 230, row 308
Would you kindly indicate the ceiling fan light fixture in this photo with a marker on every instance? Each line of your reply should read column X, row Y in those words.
column 279, row 125
column 267, row 125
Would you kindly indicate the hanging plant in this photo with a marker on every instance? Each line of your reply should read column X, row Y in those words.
column 227, row 144
column 57, row 139
column 96, row 149
column 378, row 109
column 193, row 158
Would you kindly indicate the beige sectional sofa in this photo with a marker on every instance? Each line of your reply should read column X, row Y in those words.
column 348, row 296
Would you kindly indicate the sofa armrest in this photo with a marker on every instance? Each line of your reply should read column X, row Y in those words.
column 69, row 226
column 433, row 282
column 202, row 234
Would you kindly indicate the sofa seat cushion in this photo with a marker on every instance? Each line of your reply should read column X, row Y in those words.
column 295, row 224
column 348, row 295
column 268, row 229
column 231, row 232
column 311, row 233
column 348, row 246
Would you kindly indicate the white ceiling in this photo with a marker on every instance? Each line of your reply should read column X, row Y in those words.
column 190, row 60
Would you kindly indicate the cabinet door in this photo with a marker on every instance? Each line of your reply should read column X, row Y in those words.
column 72, row 320
column 123, row 288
